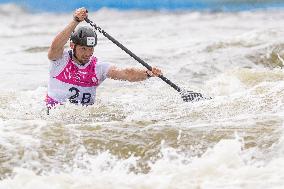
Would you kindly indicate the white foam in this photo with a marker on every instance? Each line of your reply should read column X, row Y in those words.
column 218, row 54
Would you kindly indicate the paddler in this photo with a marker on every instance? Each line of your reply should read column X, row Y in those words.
column 74, row 75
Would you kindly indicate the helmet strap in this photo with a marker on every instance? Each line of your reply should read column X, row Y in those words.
column 74, row 51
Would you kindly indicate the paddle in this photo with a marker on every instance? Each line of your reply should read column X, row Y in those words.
column 187, row 96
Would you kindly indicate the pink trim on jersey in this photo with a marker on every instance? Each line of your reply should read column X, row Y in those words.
column 85, row 77
column 50, row 102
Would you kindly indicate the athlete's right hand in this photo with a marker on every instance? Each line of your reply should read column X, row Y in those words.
column 80, row 14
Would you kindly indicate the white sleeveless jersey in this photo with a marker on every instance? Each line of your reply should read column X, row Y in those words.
column 71, row 82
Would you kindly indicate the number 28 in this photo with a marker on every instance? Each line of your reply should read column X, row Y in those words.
column 85, row 99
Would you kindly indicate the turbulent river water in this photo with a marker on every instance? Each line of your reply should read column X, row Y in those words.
column 142, row 135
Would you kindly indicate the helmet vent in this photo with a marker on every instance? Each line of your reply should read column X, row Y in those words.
column 81, row 34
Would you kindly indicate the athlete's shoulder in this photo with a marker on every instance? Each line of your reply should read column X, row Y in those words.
column 58, row 65
column 65, row 55
column 102, row 69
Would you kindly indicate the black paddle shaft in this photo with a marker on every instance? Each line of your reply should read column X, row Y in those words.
column 186, row 95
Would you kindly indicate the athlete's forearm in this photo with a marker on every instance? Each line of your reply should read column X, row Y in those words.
column 62, row 38
column 57, row 46
column 128, row 74
column 133, row 75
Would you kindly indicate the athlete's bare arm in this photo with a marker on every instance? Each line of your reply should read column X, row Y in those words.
column 55, row 51
column 132, row 74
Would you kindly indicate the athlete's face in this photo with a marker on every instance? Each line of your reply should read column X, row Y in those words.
column 83, row 53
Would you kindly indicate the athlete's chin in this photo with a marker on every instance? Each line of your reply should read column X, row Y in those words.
column 85, row 60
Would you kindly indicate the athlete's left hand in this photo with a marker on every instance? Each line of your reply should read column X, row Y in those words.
column 156, row 72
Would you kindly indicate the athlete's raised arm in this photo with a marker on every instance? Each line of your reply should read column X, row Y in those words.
column 55, row 51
